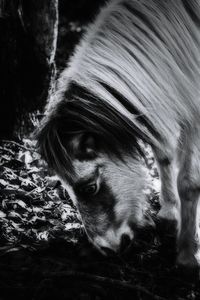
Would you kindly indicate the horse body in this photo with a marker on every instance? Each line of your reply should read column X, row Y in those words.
column 135, row 76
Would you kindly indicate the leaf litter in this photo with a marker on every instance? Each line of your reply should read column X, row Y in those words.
column 44, row 252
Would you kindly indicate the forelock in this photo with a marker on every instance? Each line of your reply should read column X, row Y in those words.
column 81, row 113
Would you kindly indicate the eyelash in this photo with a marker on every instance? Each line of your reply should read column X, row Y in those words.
column 86, row 189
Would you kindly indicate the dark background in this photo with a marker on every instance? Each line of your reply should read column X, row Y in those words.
column 26, row 37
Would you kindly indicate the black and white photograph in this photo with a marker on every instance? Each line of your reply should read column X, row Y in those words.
column 100, row 150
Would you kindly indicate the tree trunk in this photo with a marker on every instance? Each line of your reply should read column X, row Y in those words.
column 28, row 38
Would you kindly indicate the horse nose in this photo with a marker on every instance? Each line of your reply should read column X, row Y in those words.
column 125, row 243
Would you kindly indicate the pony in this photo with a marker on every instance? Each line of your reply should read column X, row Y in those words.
column 135, row 76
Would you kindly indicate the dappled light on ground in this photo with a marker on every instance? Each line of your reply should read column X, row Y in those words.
column 45, row 253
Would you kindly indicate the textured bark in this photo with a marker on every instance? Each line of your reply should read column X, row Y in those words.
column 28, row 35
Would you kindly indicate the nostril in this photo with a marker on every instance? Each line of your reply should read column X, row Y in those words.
column 125, row 242
column 109, row 252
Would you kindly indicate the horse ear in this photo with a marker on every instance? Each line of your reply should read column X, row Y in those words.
column 83, row 146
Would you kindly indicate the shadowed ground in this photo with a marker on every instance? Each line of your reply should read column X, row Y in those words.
column 44, row 253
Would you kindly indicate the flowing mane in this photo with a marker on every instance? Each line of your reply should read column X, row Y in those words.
column 135, row 75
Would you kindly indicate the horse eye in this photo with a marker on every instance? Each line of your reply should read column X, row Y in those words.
column 89, row 189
